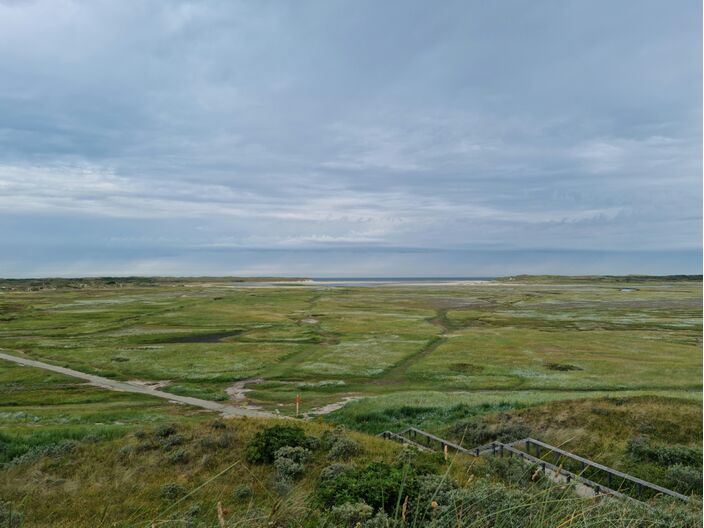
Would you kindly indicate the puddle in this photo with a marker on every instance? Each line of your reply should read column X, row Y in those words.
column 214, row 337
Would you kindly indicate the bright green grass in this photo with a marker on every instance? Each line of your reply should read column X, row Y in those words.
column 506, row 336
column 435, row 410
column 39, row 408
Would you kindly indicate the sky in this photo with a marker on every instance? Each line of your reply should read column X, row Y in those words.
column 359, row 138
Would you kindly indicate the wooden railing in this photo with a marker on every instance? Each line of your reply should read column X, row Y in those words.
column 425, row 440
column 611, row 474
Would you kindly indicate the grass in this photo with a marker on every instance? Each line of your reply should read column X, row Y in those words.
column 576, row 362
column 200, row 336
column 40, row 408
column 176, row 476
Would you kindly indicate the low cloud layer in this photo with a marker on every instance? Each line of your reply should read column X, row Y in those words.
column 350, row 138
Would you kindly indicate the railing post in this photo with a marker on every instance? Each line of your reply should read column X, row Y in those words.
column 501, row 450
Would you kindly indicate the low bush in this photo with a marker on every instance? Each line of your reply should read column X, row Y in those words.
column 208, row 443
column 242, row 492
column 181, row 456
column 684, row 479
column 225, row 440
column 349, row 515
column 9, row 516
column 380, row 485
column 173, row 441
column 334, row 470
column 218, row 424
column 263, row 448
column 511, row 470
column 165, row 430
column 172, row 491
column 290, row 462
column 56, row 450
column 125, row 452
column 282, row 487
column 344, row 448
column 640, row 450
column 474, row 433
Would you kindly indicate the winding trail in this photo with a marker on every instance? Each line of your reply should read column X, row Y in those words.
column 126, row 386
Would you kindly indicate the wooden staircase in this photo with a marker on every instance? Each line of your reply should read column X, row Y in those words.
column 538, row 453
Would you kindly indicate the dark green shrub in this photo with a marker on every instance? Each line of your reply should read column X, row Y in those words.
column 165, row 430
column 263, row 448
column 218, row 424
column 684, row 479
column 180, row 457
column 48, row 450
column 173, row 441
column 329, row 437
column 172, row 491
column 9, row 517
column 140, row 435
column 640, row 450
column 379, row 485
column 312, row 443
column 242, row 492
column 148, row 445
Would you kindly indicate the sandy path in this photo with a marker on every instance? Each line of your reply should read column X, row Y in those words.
column 331, row 407
column 125, row 386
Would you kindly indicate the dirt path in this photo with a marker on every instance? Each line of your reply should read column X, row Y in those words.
column 398, row 372
column 126, row 386
column 331, row 407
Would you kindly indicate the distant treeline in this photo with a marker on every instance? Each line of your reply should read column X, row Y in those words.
column 601, row 278
column 122, row 282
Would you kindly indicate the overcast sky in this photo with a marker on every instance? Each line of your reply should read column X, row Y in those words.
column 357, row 138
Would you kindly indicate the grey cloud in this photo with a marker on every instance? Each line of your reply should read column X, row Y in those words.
column 454, row 126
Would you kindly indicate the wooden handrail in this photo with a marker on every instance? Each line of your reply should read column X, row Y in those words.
column 594, row 485
column 527, row 456
column 606, row 469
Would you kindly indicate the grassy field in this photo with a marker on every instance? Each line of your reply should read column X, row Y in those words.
column 335, row 342
column 606, row 367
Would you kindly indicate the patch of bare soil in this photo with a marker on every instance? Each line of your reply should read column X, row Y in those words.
column 330, row 407
column 238, row 390
column 150, row 384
